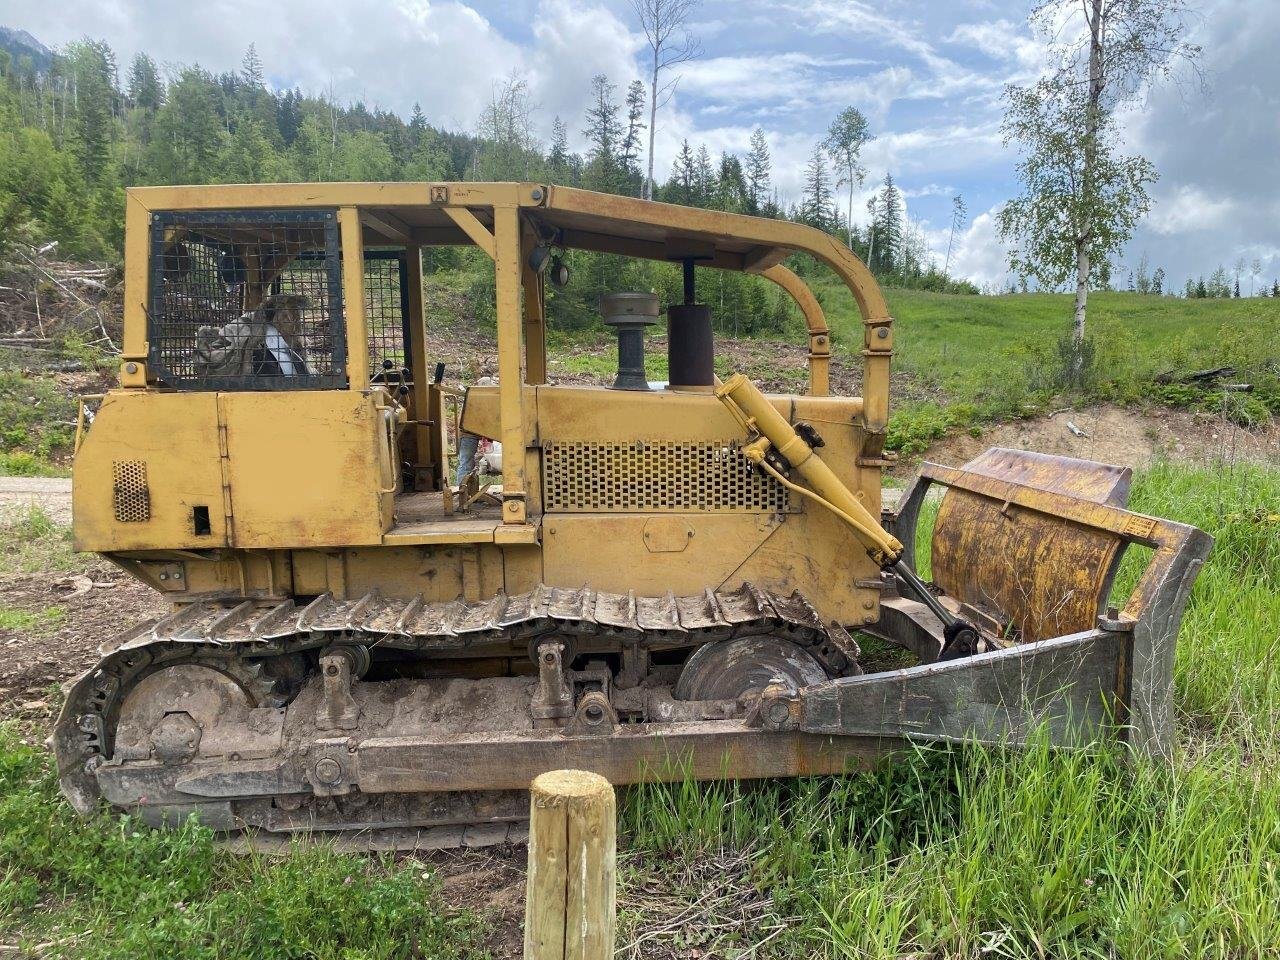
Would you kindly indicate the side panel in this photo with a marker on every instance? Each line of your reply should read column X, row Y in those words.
column 651, row 554
column 305, row 469
column 687, row 550
column 149, row 458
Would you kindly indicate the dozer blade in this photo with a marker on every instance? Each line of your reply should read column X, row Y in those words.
column 1026, row 545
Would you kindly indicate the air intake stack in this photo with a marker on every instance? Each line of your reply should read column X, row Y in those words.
column 690, row 348
column 629, row 314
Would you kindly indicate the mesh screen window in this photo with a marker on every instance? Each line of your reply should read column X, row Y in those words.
column 386, row 307
column 247, row 300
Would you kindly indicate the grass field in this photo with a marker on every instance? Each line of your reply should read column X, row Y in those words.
column 957, row 852
column 998, row 358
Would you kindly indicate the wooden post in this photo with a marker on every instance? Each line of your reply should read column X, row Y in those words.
column 569, row 904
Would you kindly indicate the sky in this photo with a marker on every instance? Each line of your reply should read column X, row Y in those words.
column 928, row 74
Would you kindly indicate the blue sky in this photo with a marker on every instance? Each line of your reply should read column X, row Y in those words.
column 928, row 74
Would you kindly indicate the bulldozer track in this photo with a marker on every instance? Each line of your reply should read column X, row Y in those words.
column 235, row 636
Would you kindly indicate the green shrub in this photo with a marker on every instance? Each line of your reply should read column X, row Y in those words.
column 912, row 429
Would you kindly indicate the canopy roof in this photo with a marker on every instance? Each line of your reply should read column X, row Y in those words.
column 428, row 214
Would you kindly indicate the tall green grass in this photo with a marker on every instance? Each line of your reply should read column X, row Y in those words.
column 1228, row 663
column 112, row 889
column 973, row 852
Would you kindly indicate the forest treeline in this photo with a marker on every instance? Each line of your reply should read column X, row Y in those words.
column 75, row 131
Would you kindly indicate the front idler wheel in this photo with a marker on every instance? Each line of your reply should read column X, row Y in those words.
column 731, row 669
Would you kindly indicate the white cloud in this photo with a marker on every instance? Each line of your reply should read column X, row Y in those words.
column 1004, row 41
column 930, row 190
column 574, row 41
column 979, row 254
column 1188, row 208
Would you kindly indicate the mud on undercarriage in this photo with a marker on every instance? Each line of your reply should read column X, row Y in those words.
column 405, row 723
column 284, row 718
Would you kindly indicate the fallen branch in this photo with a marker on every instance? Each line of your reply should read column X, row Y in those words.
column 1196, row 376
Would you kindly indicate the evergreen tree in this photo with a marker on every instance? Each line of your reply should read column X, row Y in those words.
column 417, row 125
column 247, row 156
column 680, row 187
column 704, row 178
column 251, row 72
column 629, row 154
column 145, row 90
column 289, row 116
column 815, row 197
column 604, row 133
column 558, row 161
column 188, row 130
column 93, row 68
column 731, row 186
column 429, row 158
column 890, row 228
column 1157, row 282
column 758, row 173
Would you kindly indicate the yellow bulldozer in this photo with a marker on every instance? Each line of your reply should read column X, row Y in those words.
column 672, row 580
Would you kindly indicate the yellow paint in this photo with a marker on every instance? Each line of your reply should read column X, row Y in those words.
column 353, row 297
column 473, row 228
column 506, row 222
column 301, row 486
column 304, row 468
column 176, row 436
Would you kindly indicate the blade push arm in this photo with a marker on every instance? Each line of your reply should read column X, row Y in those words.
column 769, row 430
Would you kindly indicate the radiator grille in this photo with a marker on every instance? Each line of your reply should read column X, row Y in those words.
column 582, row 476
column 130, row 491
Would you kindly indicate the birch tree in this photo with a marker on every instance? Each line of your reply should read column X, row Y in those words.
column 845, row 139
column 959, row 216
column 1082, row 196
column 664, row 23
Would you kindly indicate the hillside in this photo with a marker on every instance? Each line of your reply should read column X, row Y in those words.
column 962, row 360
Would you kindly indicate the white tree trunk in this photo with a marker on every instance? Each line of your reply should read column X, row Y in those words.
column 1082, row 293
column 1092, row 124
column 849, row 221
column 653, row 121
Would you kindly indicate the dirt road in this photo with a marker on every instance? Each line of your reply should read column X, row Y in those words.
column 51, row 494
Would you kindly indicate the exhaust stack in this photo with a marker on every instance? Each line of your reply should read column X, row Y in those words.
column 690, row 346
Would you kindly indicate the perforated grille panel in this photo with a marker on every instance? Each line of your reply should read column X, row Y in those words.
column 130, row 492
column 579, row 476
